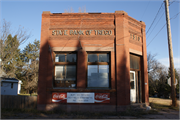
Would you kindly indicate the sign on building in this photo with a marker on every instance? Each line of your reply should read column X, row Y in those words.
column 74, row 97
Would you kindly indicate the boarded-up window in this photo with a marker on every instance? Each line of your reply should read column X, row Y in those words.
column 134, row 61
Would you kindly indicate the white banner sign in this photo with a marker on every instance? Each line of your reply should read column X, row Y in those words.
column 80, row 97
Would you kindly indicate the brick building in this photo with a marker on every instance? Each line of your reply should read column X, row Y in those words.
column 92, row 62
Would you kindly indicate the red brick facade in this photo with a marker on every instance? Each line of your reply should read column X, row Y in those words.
column 116, row 33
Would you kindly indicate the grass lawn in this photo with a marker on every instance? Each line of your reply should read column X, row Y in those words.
column 33, row 94
column 163, row 104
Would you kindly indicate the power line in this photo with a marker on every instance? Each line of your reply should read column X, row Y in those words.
column 156, row 35
column 175, row 16
column 172, row 2
column 145, row 9
column 154, row 19
column 155, row 25
column 162, row 28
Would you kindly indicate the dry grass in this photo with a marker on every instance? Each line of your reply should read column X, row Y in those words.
column 163, row 104
column 33, row 94
column 162, row 101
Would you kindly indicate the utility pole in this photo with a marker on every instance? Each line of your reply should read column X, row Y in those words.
column 173, row 92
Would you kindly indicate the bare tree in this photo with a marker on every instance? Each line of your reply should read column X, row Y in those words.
column 69, row 10
column 81, row 10
column 157, row 75
column 152, row 62
column 9, row 48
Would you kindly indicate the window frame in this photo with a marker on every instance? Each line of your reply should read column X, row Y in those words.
column 99, row 63
column 65, row 64
column 139, row 62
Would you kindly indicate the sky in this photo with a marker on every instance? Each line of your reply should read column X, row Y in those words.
column 27, row 14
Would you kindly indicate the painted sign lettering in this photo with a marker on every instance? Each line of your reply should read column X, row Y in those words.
column 81, row 32
column 59, row 97
column 102, row 98
column 80, row 97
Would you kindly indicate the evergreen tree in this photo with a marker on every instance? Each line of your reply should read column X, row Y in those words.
column 30, row 56
column 10, row 56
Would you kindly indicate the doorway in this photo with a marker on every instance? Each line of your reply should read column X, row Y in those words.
column 132, row 86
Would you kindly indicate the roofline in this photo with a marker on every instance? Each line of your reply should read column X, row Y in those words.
column 11, row 80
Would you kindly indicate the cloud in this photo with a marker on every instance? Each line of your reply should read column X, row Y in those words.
column 165, row 61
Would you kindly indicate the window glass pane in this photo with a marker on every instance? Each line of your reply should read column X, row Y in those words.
column 131, row 76
column 103, row 68
column 60, row 58
column 103, row 57
column 71, row 57
column 132, row 79
column 134, row 61
column 103, row 76
column 92, row 75
column 70, row 72
column 59, row 83
column 132, row 84
column 92, row 58
column 57, row 58
column 98, row 76
column 65, row 75
column 92, row 69
column 65, row 83
column 70, row 84
column 59, row 72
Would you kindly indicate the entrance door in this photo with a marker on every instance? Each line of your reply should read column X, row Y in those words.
column 132, row 86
